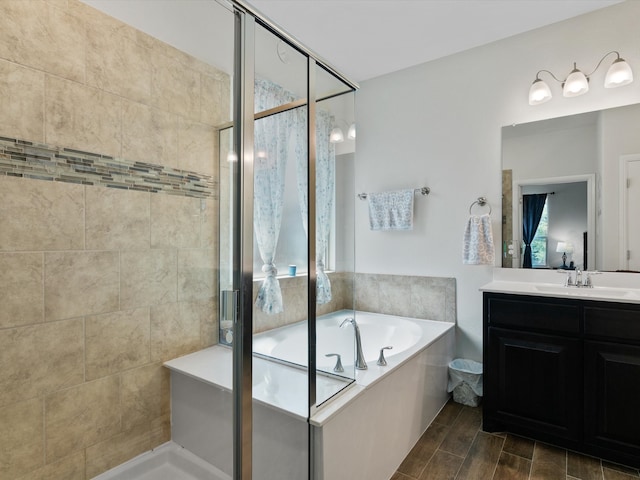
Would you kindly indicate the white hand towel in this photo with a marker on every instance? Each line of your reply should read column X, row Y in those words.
column 391, row 210
column 477, row 246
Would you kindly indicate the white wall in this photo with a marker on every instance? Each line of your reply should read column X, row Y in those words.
column 439, row 124
column 620, row 136
column 557, row 151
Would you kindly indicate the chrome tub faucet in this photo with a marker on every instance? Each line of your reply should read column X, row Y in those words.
column 361, row 364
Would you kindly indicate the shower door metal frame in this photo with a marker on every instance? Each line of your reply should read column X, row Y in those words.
column 243, row 105
column 245, row 20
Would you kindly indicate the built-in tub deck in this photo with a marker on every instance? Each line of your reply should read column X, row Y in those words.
column 284, row 385
column 415, row 377
column 276, row 385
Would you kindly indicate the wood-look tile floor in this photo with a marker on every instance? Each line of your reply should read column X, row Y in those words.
column 455, row 447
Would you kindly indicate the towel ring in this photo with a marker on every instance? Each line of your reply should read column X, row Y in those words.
column 482, row 201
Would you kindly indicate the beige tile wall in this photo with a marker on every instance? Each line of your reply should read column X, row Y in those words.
column 294, row 298
column 507, row 214
column 99, row 286
column 431, row 298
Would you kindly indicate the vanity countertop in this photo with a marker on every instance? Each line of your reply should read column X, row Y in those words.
column 608, row 286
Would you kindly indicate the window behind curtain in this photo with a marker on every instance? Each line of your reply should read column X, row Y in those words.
column 540, row 242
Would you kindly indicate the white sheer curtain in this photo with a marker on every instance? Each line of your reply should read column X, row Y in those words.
column 325, row 186
column 271, row 145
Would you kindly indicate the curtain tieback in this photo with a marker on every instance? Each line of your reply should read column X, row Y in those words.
column 320, row 265
column 270, row 269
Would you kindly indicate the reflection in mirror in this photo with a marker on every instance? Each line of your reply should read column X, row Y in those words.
column 598, row 150
column 555, row 231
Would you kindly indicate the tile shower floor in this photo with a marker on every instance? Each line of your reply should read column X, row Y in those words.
column 454, row 447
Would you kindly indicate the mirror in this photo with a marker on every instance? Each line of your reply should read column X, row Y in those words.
column 586, row 164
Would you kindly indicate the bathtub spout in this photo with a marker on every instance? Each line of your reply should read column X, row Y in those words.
column 361, row 364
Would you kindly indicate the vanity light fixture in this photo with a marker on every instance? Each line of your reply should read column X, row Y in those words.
column 577, row 82
column 351, row 133
column 337, row 136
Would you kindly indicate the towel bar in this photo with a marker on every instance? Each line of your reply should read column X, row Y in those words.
column 421, row 190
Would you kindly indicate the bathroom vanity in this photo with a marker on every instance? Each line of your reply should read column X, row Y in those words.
column 562, row 365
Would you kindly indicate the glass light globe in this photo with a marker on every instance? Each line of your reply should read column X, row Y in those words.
column 576, row 84
column 539, row 92
column 351, row 133
column 336, row 135
column 619, row 74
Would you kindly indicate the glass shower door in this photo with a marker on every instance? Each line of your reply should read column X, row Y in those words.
column 279, row 250
column 280, row 260
column 336, row 342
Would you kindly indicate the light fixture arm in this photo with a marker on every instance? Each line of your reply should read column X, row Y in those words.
column 602, row 60
column 550, row 73
column 575, row 67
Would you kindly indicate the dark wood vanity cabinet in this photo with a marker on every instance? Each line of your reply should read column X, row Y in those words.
column 564, row 371
column 612, row 379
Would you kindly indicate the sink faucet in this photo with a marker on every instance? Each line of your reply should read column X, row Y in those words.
column 361, row 364
column 588, row 282
column 568, row 281
column 578, row 282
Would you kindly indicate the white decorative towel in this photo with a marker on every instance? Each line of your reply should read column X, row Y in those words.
column 391, row 210
column 478, row 241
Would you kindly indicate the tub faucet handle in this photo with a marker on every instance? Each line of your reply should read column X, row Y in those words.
column 381, row 360
column 338, row 368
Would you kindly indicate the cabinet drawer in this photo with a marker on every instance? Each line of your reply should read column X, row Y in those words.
column 533, row 313
column 619, row 323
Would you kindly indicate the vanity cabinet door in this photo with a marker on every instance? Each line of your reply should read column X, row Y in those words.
column 533, row 385
column 612, row 399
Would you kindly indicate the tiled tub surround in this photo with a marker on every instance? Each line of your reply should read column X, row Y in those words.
column 407, row 296
column 402, row 295
column 99, row 286
column 294, row 299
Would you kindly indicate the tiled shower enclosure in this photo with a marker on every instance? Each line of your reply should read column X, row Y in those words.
column 108, row 207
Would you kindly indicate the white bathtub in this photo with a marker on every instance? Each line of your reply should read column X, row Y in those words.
column 403, row 398
column 405, row 335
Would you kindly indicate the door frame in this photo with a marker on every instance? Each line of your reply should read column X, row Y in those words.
column 623, row 207
column 590, row 178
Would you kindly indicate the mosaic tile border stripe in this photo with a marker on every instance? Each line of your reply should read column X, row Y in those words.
column 21, row 158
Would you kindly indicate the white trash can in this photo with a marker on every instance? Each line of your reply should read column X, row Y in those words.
column 465, row 381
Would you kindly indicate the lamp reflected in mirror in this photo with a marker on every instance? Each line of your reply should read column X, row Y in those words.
column 564, row 248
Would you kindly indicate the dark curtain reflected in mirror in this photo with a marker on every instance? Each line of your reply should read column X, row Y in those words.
column 532, row 206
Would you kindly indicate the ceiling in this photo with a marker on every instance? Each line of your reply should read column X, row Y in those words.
column 362, row 39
